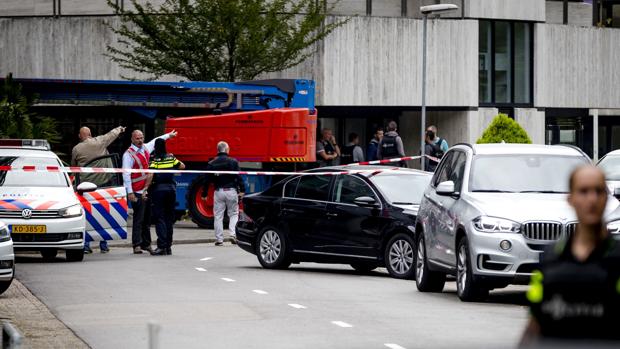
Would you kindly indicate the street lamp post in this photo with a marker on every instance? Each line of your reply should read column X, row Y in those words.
column 427, row 10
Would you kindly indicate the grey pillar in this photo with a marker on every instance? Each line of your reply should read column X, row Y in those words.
column 423, row 116
column 594, row 113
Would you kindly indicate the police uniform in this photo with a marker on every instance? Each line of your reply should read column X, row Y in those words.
column 163, row 197
column 574, row 299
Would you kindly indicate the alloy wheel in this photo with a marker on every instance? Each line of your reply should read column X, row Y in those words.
column 462, row 268
column 401, row 256
column 270, row 246
column 419, row 263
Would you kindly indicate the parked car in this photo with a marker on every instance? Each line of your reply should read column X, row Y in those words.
column 365, row 219
column 610, row 164
column 490, row 211
column 7, row 258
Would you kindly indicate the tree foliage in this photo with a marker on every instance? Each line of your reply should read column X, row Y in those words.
column 504, row 129
column 219, row 40
column 16, row 119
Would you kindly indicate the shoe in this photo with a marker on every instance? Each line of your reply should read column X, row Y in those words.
column 148, row 249
column 159, row 252
column 219, row 243
column 168, row 251
column 105, row 249
column 88, row 250
column 137, row 250
column 233, row 240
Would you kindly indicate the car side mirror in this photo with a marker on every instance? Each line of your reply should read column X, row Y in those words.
column 366, row 201
column 86, row 187
column 446, row 188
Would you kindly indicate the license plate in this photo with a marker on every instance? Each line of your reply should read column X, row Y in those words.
column 32, row 229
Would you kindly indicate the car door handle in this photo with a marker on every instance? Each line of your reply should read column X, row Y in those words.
column 329, row 214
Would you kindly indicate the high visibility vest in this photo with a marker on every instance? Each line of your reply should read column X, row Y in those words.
column 141, row 161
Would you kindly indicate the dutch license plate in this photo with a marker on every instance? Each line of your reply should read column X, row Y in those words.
column 31, row 229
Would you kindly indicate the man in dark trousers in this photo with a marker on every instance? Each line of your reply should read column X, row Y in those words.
column 575, row 296
column 391, row 145
column 228, row 189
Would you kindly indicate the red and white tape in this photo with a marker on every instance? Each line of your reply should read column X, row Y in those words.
column 73, row 169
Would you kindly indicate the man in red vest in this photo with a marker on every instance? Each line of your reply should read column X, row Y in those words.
column 137, row 157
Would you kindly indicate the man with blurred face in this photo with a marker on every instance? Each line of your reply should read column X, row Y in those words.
column 576, row 293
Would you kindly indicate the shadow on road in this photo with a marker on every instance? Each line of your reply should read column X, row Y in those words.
column 324, row 270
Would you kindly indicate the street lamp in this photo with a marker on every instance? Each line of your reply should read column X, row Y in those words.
column 428, row 10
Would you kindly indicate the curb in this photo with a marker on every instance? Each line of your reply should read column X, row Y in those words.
column 180, row 242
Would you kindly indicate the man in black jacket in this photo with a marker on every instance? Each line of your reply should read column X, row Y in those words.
column 228, row 189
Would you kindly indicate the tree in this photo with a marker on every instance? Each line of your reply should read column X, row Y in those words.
column 219, row 40
column 504, row 129
column 16, row 119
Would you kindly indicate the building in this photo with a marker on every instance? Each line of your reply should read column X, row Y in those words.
column 552, row 65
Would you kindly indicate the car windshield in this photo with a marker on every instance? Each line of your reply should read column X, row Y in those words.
column 522, row 173
column 402, row 188
column 31, row 179
column 611, row 166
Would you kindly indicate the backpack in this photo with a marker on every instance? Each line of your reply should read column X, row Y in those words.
column 437, row 152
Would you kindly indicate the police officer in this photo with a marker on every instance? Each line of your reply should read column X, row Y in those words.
column 162, row 193
column 576, row 293
column 228, row 189
column 391, row 145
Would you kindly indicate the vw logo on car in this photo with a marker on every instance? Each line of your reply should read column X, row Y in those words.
column 27, row 213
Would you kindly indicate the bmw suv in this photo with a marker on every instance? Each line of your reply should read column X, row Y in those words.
column 490, row 211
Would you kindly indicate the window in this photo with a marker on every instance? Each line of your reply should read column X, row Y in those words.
column 348, row 188
column 289, row 188
column 443, row 172
column 34, row 178
column 505, row 62
column 313, row 188
column 458, row 170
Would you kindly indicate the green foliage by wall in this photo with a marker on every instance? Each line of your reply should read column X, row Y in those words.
column 504, row 129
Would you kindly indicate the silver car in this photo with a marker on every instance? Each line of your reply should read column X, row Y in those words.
column 490, row 211
column 7, row 258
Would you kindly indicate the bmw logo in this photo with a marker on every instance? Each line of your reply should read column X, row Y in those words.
column 27, row 213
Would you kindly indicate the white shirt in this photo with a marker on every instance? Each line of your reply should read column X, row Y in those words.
column 128, row 160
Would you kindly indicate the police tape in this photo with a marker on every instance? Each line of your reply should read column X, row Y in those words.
column 73, row 169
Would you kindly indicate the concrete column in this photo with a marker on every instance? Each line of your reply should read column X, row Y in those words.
column 533, row 121
column 594, row 113
column 479, row 121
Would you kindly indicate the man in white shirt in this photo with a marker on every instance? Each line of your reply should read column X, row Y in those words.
column 137, row 157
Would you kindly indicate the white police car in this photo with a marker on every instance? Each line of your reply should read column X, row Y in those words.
column 43, row 211
column 7, row 258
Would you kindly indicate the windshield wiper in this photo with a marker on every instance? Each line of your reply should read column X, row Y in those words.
column 402, row 203
column 544, row 191
column 491, row 191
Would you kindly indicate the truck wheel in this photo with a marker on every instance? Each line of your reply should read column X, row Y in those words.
column 200, row 211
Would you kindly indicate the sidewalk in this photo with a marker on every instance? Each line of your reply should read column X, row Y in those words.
column 39, row 327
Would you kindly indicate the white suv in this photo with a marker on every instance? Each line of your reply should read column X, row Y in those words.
column 490, row 211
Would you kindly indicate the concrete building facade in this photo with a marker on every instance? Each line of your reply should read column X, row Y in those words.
column 554, row 66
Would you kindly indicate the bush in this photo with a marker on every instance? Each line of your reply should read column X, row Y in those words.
column 504, row 129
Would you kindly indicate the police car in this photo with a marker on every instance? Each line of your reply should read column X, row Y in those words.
column 46, row 210
column 7, row 258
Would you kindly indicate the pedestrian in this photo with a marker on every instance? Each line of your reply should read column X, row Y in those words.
column 440, row 142
column 352, row 152
column 87, row 150
column 391, row 145
column 228, row 189
column 161, row 193
column 137, row 157
column 576, row 293
column 327, row 150
column 373, row 146
column 432, row 150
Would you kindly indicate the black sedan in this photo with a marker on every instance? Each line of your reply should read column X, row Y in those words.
column 363, row 219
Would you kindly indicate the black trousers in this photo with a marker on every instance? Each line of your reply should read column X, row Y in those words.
column 164, row 199
column 140, row 234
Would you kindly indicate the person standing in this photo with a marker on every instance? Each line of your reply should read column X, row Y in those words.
column 327, row 150
column 87, row 150
column 228, row 189
column 352, row 152
column 137, row 157
column 438, row 141
column 576, row 293
column 391, row 145
column 373, row 146
column 162, row 194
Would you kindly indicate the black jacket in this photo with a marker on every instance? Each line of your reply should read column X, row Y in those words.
column 222, row 162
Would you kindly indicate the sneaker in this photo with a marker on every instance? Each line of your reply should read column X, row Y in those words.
column 233, row 240
column 88, row 250
column 219, row 243
column 159, row 252
column 105, row 249
column 137, row 250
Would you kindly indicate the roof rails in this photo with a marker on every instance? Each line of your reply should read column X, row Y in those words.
column 467, row 145
column 573, row 147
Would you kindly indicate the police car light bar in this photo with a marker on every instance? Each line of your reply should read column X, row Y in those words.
column 25, row 143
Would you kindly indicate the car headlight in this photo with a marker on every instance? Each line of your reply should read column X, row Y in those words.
column 613, row 227
column 496, row 225
column 5, row 235
column 71, row 211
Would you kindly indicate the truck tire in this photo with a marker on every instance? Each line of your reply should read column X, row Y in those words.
column 200, row 211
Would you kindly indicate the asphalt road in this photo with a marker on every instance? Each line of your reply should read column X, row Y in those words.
column 218, row 297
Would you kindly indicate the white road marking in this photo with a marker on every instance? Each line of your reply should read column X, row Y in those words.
column 260, row 291
column 342, row 324
column 297, row 306
column 228, row 279
column 393, row 346
column 200, row 269
column 206, row 258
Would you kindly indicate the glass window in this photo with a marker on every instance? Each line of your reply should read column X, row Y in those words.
column 611, row 166
column 31, row 179
column 313, row 188
column 522, row 62
column 404, row 189
column 502, row 62
column 484, row 57
column 443, row 173
column 458, row 170
column 289, row 188
column 348, row 188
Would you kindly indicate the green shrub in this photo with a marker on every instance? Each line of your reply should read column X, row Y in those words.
column 504, row 129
